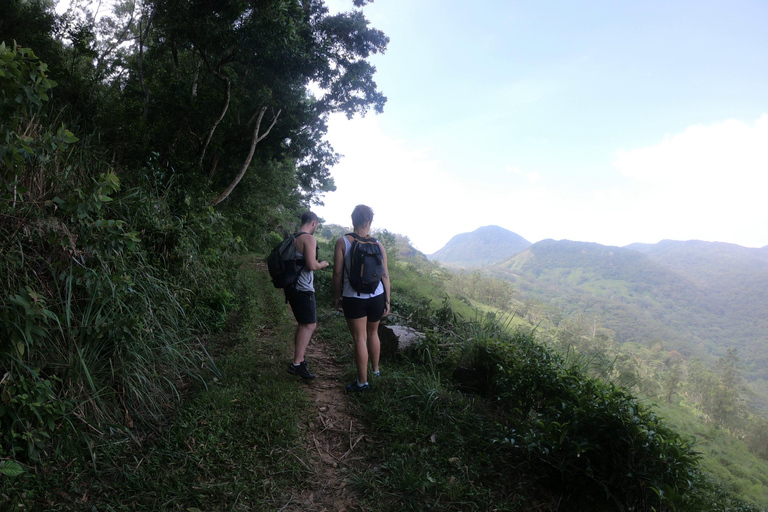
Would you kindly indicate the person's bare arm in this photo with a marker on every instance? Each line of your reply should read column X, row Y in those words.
column 307, row 245
column 338, row 272
column 385, row 280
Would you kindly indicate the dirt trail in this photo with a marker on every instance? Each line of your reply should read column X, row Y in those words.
column 332, row 439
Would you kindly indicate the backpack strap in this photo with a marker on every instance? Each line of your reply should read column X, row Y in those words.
column 368, row 238
column 297, row 235
column 300, row 262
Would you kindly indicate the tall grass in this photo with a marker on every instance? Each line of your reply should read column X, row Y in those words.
column 104, row 294
column 233, row 445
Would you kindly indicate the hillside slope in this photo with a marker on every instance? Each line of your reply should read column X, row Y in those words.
column 483, row 246
column 698, row 297
column 734, row 281
column 636, row 297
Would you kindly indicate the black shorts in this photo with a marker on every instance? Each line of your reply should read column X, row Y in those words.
column 303, row 305
column 373, row 308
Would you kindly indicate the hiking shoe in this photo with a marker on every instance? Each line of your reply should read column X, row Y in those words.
column 356, row 387
column 300, row 370
column 377, row 374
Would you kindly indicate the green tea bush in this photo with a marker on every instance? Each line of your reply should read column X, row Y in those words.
column 588, row 435
column 589, row 441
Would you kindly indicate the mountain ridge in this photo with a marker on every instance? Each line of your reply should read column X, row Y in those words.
column 483, row 246
column 697, row 297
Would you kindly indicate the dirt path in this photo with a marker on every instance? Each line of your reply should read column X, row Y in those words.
column 332, row 439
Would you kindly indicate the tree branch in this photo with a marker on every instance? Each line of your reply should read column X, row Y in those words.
column 227, row 89
column 254, row 140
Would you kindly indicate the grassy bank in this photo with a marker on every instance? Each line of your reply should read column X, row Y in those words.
column 475, row 418
column 234, row 444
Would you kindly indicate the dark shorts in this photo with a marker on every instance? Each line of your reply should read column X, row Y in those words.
column 303, row 305
column 373, row 308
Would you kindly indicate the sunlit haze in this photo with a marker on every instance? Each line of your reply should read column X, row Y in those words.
column 603, row 122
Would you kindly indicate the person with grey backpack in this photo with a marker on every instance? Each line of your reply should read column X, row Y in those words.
column 361, row 289
column 291, row 266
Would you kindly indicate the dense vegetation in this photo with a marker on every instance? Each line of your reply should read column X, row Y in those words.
column 697, row 298
column 626, row 314
column 482, row 412
column 143, row 153
column 130, row 175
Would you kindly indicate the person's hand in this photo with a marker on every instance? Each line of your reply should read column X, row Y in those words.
column 337, row 304
column 386, row 309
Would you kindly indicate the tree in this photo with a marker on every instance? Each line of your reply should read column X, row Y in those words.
column 209, row 83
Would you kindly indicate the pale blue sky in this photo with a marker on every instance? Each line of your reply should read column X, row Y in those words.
column 611, row 122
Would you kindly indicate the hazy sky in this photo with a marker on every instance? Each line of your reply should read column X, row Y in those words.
column 606, row 121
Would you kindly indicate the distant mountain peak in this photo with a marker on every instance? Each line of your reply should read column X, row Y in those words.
column 484, row 246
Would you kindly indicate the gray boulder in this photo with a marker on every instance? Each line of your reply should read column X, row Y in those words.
column 397, row 338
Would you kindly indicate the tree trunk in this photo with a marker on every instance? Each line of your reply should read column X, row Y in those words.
column 254, row 140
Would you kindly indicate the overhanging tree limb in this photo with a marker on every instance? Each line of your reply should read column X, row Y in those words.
column 254, row 140
column 227, row 95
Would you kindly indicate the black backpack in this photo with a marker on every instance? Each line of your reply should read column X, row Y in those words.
column 282, row 263
column 366, row 264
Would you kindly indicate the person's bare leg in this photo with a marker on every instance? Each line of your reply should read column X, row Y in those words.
column 301, row 341
column 373, row 344
column 357, row 327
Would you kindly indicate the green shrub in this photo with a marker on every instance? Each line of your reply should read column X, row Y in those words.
column 103, row 292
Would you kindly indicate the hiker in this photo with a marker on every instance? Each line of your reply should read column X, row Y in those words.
column 362, row 309
column 301, row 296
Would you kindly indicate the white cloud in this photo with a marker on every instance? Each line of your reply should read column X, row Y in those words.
column 706, row 183
column 405, row 187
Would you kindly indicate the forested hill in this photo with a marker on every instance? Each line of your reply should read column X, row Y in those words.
column 699, row 298
column 484, row 246
column 734, row 281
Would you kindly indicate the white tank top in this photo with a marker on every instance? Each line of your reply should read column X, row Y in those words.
column 347, row 290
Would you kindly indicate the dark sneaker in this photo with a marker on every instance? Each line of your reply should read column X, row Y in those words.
column 355, row 387
column 300, row 370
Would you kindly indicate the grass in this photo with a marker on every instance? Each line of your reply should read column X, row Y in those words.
column 436, row 447
column 433, row 447
column 234, row 444
column 724, row 457
column 237, row 444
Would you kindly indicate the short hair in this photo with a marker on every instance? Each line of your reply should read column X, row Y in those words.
column 361, row 215
column 308, row 217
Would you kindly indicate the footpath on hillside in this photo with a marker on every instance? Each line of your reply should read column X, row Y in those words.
column 332, row 439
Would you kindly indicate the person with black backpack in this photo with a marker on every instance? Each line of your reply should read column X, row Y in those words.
column 361, row 290
column 300, row 294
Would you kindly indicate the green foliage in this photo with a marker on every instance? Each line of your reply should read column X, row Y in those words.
column 590, row 434
column 235, row 443
column 30, row 412
column 25, row 144
column 484, row 289
column 541, row 422
column 228, row 98
column 84, row 303
column 10, row 468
